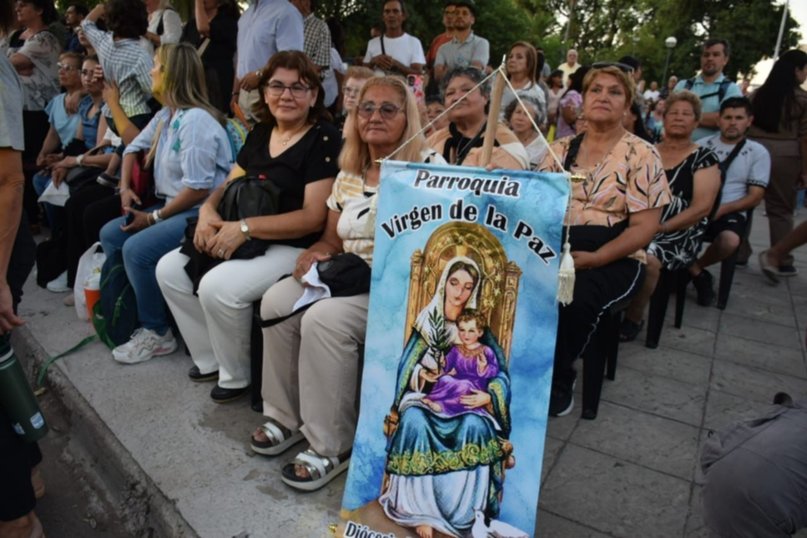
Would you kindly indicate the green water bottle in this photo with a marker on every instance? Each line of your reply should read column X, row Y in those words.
column 17, row 399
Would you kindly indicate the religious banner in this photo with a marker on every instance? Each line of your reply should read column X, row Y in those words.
column 458, row 355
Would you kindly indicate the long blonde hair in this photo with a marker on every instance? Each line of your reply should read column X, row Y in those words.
column 184, row 85
column 355, row 155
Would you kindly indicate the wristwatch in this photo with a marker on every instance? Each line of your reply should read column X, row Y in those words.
column 79, row 159
column 245, row 229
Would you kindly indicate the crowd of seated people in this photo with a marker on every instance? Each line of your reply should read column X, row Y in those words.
column 635, row 208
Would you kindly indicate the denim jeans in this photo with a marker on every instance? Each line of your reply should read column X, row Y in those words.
column 141, row 252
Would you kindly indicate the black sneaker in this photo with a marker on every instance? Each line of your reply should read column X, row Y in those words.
column 704, row 285
column 788, row 270
column 561, row 400
column 222, row 395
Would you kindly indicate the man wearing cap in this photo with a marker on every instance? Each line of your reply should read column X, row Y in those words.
column 395, row 52
column 465, row 49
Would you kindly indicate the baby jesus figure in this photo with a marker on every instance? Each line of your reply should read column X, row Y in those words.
column 466, row 370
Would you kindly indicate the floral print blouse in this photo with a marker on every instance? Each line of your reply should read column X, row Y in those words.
column 629, row 179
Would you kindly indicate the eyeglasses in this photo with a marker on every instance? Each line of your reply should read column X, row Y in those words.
column 297, row 90
column 625, row 68
column 386, row 110
column 351, row 92
column 66, row 67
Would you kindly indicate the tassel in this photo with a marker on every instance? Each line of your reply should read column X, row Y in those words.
column 566, row 276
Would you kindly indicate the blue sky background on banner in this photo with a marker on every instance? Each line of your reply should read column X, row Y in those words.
column 542, row 204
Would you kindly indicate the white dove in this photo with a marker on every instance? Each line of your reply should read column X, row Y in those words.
column 497, row 529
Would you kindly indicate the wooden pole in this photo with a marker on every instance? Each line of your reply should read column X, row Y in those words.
column 493, row 115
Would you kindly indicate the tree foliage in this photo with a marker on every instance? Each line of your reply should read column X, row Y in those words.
column 599, row 29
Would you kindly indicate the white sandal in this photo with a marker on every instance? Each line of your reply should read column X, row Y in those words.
column 321, row 469
column 279, row 439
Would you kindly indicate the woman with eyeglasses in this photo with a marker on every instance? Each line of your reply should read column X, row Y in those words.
column 618, row 190
column 297, row 150
column 694, row 180
column 355, row 78
column 461, row 142
column 311, row 359
column 34, row 53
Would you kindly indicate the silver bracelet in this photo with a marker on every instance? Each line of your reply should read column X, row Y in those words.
column 156, row 216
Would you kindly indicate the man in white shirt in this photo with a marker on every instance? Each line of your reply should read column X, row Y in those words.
column 745, row 168
column 395, row 52
column 569, row 67
column 651, row 95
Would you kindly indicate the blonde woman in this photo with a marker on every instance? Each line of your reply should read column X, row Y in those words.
column 191, row 155
column 311, row 360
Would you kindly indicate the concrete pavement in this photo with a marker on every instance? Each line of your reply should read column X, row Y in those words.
column 178, row 464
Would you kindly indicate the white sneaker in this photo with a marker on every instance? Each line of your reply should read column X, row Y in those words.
column 59, row 284
column 144, row 345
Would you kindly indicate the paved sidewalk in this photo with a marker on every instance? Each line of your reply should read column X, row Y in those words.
column 632, row 472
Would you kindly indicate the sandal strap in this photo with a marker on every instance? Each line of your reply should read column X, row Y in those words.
column 275, row 432
column 316, row 465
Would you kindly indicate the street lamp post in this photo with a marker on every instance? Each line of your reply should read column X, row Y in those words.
column 670, row 43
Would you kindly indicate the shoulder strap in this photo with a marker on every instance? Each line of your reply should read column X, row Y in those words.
column 721, row 93
column 571, row 154
column 16, row 35
column 724, row 165
column 161, row 26
column 381, row 40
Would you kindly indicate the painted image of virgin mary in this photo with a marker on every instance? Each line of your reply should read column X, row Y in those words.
column 443, row 465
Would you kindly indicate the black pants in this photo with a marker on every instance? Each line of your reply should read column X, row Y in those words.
column 23, row 257
column 595, row 290
column 17, row 458
column 87, row 210
column 35, row 129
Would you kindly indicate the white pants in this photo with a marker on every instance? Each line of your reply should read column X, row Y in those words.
column 216, row 325
column 311, row 365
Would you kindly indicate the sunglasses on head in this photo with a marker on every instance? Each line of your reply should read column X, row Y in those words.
column 625, row 68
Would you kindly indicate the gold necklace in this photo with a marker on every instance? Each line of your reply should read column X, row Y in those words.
column 285, row 140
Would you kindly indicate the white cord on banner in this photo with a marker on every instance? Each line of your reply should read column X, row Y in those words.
column 566, row 273
column 565, row 293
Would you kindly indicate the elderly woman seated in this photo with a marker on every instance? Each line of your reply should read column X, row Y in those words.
column 311, row 359
column 461, row 142
column 618, row 190
column 694, row 181
column 522, row 121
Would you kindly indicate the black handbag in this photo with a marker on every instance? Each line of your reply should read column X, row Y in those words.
column 244, row 197
column 81, row 176
column 249, row 196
